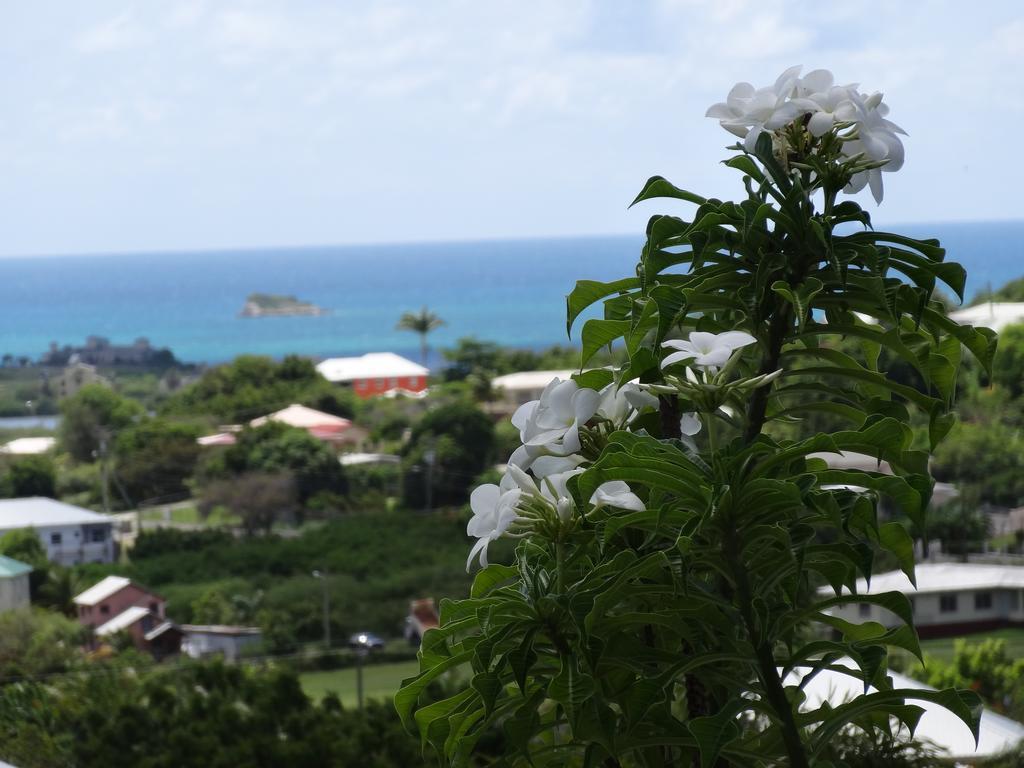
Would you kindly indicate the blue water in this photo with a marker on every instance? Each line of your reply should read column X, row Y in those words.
column 511, row 292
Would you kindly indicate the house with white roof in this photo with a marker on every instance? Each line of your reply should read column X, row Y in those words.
column 223, row 640
column 375, row 373
column 992, row 314
column 14, row 586
column 112, row 596
column 28, row 446
column 950, row 598
column 70, row 535
column 514, row 389
column 938, row 726
column 323, row 426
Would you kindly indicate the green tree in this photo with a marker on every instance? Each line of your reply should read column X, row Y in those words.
column 156, row 458
column 37, row 642
column 260, row 499
column 30, row 476
column 213, row 607
column 91, row 419
column 1008, row 366
column 448, row 448
column 253, row 386
column 275, row 448
column 421, row 323
column 986, row 460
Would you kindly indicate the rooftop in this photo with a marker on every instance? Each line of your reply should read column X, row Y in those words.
column 123, row 620
column 528, row 379
column 946, row 577
column 101, row 590
column 24, row 446
column 306, row 418
column 938, row 725
column 9, row 567
column 373, row 365
column 992, row 314
column 36, row 511
column 355, row 459
column 218, row 629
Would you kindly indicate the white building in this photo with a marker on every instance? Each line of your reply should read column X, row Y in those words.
column 950, row 598
column 375, row 373
column 514, row 389
column 937, row 726
column 14, row 586
column 29, row 446
column 70, row 535
column 218, row 639
column 992, row 314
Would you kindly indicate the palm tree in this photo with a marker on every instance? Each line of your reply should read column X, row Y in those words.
column 422, row 322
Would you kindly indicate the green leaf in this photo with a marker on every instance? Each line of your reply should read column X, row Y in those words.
column 894, row 537
column 588, row 292
column 713, row 734
column 408, row 695
column 600, row 333
column 570, row 687
column 490, row 577
column 657, row 186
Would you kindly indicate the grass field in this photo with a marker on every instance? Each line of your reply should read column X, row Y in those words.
column 380, row 681
column 190, row 516
column 943, row 649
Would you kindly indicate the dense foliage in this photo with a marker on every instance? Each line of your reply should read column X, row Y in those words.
column 91, row 419
column 201, row 716
column 253, row 386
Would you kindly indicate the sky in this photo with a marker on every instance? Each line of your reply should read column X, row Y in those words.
column 252, row 123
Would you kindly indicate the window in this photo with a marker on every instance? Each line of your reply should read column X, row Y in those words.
column 104, row 609
column 380, row 383
column 982, row 601
column 56, row 538
column 153, row 607
column 865, row 610
column 947, row 603
column 392, row 382
column 97, row 534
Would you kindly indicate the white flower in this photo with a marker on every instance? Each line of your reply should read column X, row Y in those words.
column 551, row 425
column 690, row 424
column 876, row 138
column 494, row 511
column 620, row 404
column 706, row 350
column 543, row 466
column 616, row 493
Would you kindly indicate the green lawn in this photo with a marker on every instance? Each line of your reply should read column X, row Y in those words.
column 943, row 649
column 380, row 681
column 190, row 516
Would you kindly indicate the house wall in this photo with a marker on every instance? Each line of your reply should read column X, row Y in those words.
column 1006, row 607
column 378, row 386
column 14, row 592
column 120, row 601
column 198, row 644
column 76, row 544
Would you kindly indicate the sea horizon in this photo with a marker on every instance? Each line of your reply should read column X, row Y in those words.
column 510, row 291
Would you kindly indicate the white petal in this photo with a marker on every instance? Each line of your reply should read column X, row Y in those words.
column 484, row 499
column 875, row 181
column 520, row 479
column 543, row 466
column 677, row 357
column 690, row 424
column 522, row 457
column 820, row 123
column 616, row 493
column 721, row 111
column 817, row 80
column 523, row 414
column 734, row 339
column 585, row 403
column 740, row 93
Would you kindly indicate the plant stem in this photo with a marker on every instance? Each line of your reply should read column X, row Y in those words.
column 560, row 567
column 758, row 408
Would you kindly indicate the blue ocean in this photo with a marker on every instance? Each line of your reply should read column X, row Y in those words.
column 508, row 291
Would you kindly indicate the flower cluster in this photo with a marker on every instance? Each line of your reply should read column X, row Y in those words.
column 558, row 432
column 858, row 120
column 534, row 492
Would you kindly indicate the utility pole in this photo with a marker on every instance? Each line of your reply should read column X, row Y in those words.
column 360, row 657
column 431, row 457
column 322, row 576
column 103, row 473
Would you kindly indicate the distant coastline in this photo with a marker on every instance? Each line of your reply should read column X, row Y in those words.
column 511, row 292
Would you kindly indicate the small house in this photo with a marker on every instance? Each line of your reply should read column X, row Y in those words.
column 109, row 598
column 219, row 640
column 70, row 535
column 515, row 389
column 950, row 598
column 14, row 586
column 376, row 373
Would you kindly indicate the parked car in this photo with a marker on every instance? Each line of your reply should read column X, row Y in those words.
column 365, row 640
